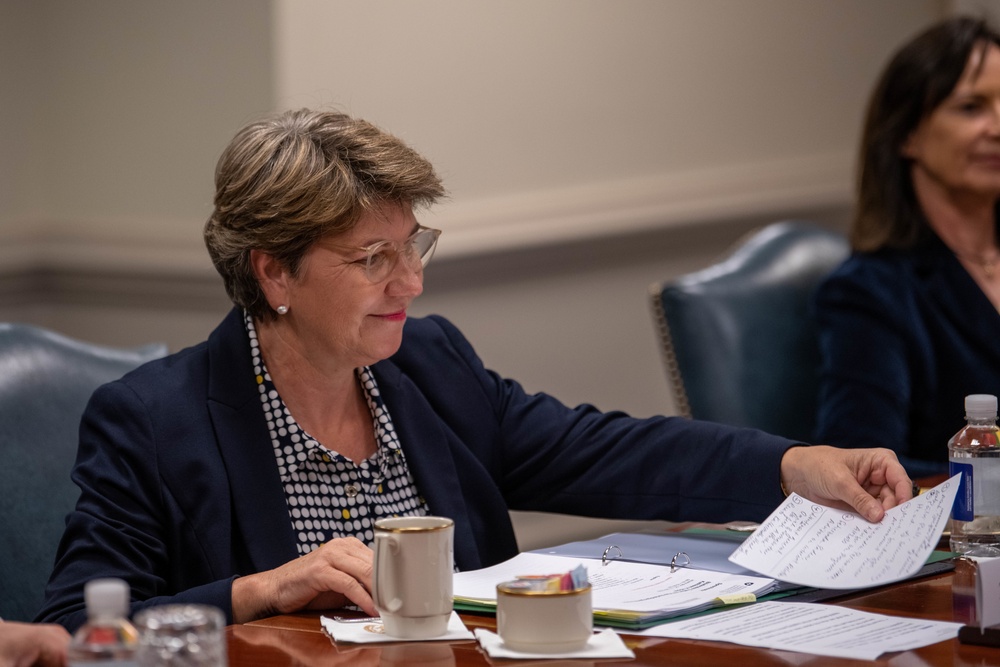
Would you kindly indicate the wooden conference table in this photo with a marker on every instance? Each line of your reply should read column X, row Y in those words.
column 296, row 639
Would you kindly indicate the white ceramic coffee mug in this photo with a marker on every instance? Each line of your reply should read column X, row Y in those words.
column 534, row 621
column 414, row 567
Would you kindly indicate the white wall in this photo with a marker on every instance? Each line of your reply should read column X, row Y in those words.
column 20, row 79
column 590, row 148
column 988, row 9
column 119, row 109
column 562, row 119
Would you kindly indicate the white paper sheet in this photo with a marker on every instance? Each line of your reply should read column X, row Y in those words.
column 603, row 644
column 809, row 544
column 373, row 631
column 811, row 628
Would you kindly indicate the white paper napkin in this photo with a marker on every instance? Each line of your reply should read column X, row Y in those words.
column 604, row 644
column 363, row 633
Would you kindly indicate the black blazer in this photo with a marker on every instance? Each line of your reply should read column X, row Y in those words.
column 180, row 489
column 904, row 336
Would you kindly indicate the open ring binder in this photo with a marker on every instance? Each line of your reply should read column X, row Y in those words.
column 679, row 560
column 686, row 560
column 604, row 556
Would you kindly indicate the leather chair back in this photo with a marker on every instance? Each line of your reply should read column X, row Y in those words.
column 738, row 339
column 45, row 382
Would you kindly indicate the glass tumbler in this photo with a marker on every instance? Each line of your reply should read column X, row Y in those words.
column 181, row 635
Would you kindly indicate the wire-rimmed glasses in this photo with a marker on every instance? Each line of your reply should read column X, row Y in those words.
column 381, row 257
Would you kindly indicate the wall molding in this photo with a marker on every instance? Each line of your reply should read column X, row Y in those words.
column 628, row 207
column 490, row 225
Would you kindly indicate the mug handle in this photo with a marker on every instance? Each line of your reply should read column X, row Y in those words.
column 384, row 588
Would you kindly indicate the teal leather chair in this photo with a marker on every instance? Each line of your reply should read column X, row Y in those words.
column 738, row 340
column 46, row 380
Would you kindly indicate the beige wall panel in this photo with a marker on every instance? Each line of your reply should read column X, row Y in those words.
column 590, row 147
column 135, row 100
column 556, row 120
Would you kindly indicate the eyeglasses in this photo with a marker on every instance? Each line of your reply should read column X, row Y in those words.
column 381, row 257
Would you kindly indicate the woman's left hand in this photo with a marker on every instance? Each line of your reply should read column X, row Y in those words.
column 868, row 481
column 337, row 573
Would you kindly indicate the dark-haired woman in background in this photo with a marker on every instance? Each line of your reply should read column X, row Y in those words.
column 909, row 323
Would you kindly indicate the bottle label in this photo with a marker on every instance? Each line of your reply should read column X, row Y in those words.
column 964, row 507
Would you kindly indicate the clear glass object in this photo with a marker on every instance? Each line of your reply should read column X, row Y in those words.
column 181, row 635
column 107, row 638
column 974, row 452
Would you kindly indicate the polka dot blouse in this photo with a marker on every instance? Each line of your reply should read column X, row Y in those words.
column 329, row 495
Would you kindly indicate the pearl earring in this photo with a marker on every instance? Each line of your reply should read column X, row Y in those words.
column 282, row 309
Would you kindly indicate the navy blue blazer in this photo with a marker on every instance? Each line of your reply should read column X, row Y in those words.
column 904, row 337
column 180, row 491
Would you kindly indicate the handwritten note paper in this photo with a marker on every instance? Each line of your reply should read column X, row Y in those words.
column 809, row 544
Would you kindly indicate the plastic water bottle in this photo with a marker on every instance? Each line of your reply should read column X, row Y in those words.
column 975, row 453
column 107, row 638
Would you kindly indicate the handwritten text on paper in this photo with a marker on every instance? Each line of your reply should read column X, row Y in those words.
column 809, row 544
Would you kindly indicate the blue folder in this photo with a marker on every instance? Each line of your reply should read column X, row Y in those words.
column 703, row 552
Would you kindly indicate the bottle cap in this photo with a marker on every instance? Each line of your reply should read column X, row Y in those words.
column 980, row 406
column 106, row 597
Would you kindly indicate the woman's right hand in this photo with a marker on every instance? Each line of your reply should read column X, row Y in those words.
column 336, row 574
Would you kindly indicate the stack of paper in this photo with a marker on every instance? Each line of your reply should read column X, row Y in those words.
column 801, row 544
column 814, row 628
column 700, row 552
column 625, row 594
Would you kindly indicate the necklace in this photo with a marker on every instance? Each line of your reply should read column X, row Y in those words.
column 987, row 264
